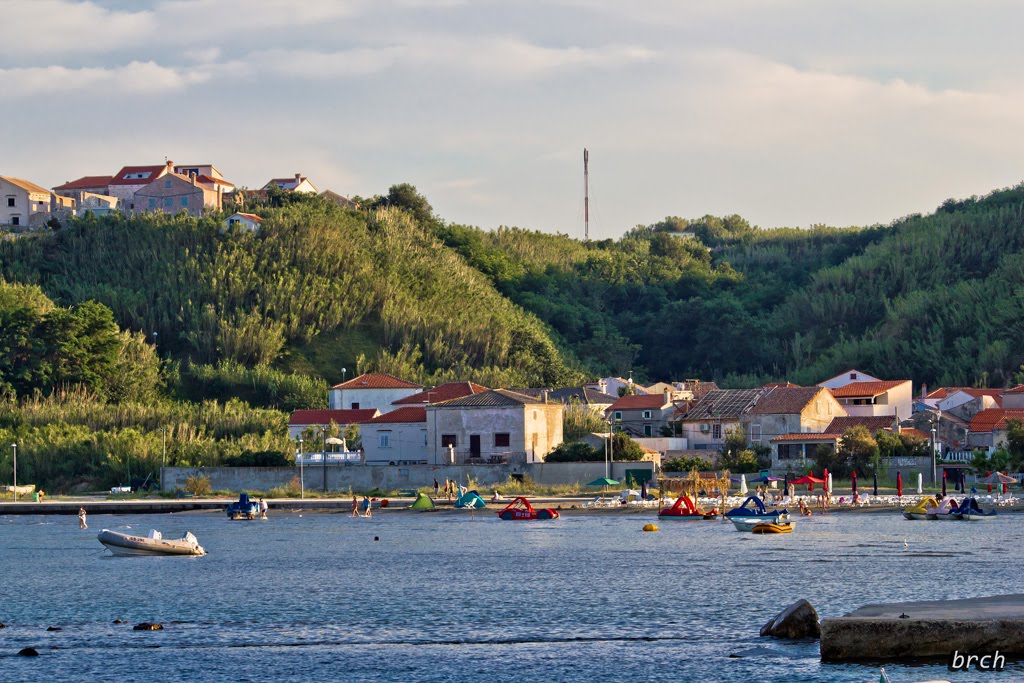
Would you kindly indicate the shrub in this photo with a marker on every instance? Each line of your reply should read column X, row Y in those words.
column 198, row 485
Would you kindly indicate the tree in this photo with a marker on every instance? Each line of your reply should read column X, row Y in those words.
column 685, row 464
column 576, row 451
column 405, row 196
column 1015, row 443
column 857, row 452
column 626, row 449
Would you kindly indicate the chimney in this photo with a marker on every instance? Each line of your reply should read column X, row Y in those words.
column 545, row 395
column 170, row 166
column 924, row 390
column 298, row 178
column 192, row 177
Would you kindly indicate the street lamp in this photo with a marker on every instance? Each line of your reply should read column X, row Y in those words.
column 15, row 447
column 302, row 485
column 934, row 445
column 324, row 456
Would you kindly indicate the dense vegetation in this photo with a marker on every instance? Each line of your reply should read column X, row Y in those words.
column 190, row 320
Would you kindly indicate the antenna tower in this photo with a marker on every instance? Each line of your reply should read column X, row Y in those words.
column 586, row 195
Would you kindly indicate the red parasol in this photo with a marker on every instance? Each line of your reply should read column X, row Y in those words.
column 899, row 484
column 808, row 479
column 989, row 474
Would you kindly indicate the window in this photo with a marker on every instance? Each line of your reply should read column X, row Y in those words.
column 355, row 405
column 168, row 202
column 10, row 201
column 716, row 431
column 424, row 433
column 853, row 375
column 755, row 433
column 502, row 440
column 384, row 439
column 184, row 201
column 618, row 416
column 648, row 430
column 448, row 440
column 167, row 183
column 15, row 220
column 152, row 203
column 647, row 415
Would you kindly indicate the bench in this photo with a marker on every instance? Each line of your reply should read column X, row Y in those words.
column 184, row 494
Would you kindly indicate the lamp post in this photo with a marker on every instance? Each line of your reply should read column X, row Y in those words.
column 324, row 456
column 934, row 444
column 302, row 485
column 15, row 447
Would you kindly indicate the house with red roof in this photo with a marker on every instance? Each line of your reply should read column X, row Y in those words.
column 297, row 183
column 23, row 203
column 249, row 222
column 86, row 185
column 442, row 392
column 1012, row 398
column 130, row 179
column 862, row 394
column 989, row 427
column 173, row 193
column 377, row 390
column 396, row 438
column 301, row 420
column 641, row 414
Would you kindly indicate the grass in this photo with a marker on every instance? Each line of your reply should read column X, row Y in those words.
column 328, row 353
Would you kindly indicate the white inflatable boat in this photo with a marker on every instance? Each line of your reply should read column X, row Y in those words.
column 154, row 544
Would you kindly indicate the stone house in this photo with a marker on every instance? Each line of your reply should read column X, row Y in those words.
column 129, row 180
column 494, row 426
column 641, row 414
column 377, row 390
column 85, row 186
column 595, row 401
column 23, row 203
column 171, row 193
column 706, row 423
column 790, row 410
column 442, row 392
column 396, row 438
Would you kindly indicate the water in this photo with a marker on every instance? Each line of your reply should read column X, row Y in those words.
column 457, row 597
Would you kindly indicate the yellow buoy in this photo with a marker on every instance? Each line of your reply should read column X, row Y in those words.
column 650, row 527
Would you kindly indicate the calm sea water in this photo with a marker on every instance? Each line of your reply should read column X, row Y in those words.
column 461, row 597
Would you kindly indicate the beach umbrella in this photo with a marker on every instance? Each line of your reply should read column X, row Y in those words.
column 997, row 478
column 988, row 475
column 899, row 484
column 743, row 484
column 643, row 490
column 943, row 483
column 920, row 483
column 824, row 478
column 853, row 482
column 604, row 481
column 963, row 481
column 828, row 483
column 874, row 481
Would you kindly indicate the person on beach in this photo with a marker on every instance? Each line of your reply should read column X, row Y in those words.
column 367, row 506
column 804, row 510
column 81, row 519
column 263, row 509
column 436, row 487
column 355, row 507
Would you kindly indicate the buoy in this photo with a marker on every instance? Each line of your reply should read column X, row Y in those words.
column 650, row 527
column 376, row 538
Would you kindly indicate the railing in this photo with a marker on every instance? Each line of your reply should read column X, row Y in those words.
column 958, row 456
column 492, row 457
column 339, row 458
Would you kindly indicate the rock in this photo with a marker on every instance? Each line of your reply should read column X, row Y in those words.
column 119, row 621
column 54, row 628
column 147, row 626
column 3, row 625
column 757, row 652
column 799, row 620
column 28, row 652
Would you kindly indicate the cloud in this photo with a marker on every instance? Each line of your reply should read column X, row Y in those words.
column 142, row 78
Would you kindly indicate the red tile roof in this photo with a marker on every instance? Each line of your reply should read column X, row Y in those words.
column 405, row 414
column 86, row 182
column 442, row 392
column 994, row 418
column 639, row 402
column 211, row 179
column 866, row 389
column 913, row 431
column 1019, row 389
column 873, row 423
column 154, row 173
column 251, row 216
column 376, row 380
column 323, row 417
column 785, row 400
column 946, row 392
column 806, row 437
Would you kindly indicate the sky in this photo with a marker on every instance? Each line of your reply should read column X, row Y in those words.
column 787, row 112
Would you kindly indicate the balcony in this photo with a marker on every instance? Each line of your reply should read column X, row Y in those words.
column 339, row 458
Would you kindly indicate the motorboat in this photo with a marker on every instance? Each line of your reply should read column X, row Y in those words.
column 753, row 507
column 947, row 510
column 773, row 528
column 972, row 512
column 923, row 510
column 685, row 508
column 243, row 508
column 748, row 523
column 520, row 509
column 153, row 544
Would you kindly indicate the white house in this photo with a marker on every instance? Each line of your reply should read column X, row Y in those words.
column 876, row 398
column 844, row 378
column 371, row 390
column 20, row 200
column 244, row 221
column 299, row 183
column 396, row 438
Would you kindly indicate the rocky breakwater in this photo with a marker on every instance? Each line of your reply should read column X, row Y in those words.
column 923, row 630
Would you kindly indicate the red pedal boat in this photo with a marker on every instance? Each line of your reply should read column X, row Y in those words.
column 520, row 508
column 684, row 508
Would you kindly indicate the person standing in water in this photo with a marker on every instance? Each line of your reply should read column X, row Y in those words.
column 367, row 506
column 81, row 519
column 355, row 507
column 263, row 509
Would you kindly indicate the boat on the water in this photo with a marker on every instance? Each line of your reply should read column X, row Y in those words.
column 747, row 524
column 927, row 506
column 685, row 508
column 972, row 512
column 753, row 508
column 772, row 528
column 154, row 544
column 947, row 510
column 243, row 508
column 520, row 509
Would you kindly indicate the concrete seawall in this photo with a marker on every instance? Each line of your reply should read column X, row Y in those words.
column 922, row 630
